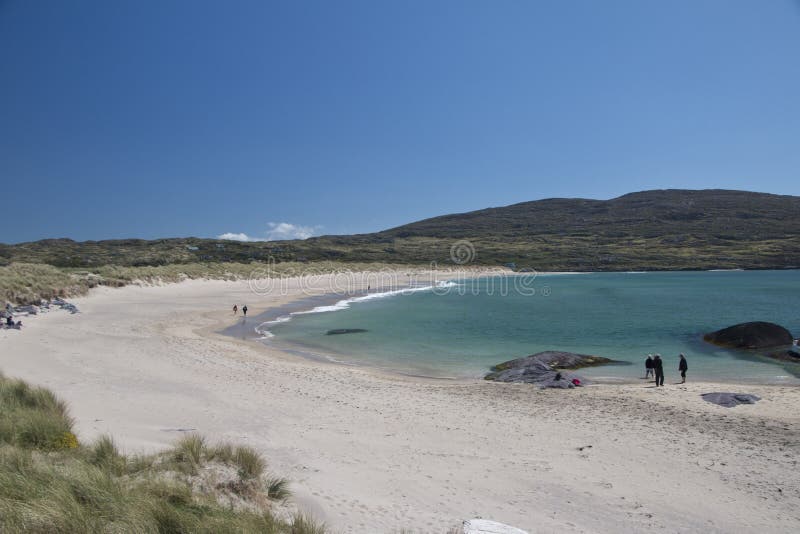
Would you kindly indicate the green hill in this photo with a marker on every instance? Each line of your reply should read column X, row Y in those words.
column 650, row 230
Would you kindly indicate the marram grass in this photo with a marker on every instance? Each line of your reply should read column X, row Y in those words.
column 29, row 283
column 52, row 483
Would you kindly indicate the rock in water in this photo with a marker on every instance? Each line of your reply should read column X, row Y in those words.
column 484, row 526
column 543, row 368
column 755, row 335
column 338, row 331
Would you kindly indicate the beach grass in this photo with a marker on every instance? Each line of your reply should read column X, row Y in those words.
column 51, row 482
column 25, row 283
column 29, row 283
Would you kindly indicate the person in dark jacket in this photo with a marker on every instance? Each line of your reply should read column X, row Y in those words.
column 244, row 310
column 648, row 366
column 683, row 367
column 658, row 367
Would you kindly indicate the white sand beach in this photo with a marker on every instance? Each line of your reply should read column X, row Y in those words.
column 370, row 452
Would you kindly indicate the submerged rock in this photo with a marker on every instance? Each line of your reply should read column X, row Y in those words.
column 754, row 335
column 546, row 368
column 339, row 331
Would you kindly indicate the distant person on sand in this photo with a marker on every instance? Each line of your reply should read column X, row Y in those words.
column 244, row 310
column 648, row 366
column 683, row 367
column 235, row 309
column 658, row 367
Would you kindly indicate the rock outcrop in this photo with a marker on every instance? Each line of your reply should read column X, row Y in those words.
column 755, row 335
column 729, row 400
column 549, row 368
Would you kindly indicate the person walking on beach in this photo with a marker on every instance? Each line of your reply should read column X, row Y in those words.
column 244, row 310
column 683, row 367
column 648, row 366
column 235, row 309
column 658, row 367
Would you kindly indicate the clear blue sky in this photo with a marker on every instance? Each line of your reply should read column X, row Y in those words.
column 159, row 119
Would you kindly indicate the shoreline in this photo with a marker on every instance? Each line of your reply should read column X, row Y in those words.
column 371, row 452
column 304, row 304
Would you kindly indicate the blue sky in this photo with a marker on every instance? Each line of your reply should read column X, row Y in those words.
column 160, row 119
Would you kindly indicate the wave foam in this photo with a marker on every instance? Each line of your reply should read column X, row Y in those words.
column 345, row 303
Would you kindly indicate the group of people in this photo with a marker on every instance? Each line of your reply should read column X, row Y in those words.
column 654, row 366
column 7, row 316
column 236, row 309
column 11, row 324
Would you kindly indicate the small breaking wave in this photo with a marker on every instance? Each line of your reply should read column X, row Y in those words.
column 343, row 304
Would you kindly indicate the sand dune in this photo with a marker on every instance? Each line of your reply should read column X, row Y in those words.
column 370, row 452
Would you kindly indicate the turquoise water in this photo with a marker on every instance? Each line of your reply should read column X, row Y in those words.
column 462, row 330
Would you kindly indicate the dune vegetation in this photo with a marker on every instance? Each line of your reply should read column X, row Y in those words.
column 51, row 482
column 29, row 283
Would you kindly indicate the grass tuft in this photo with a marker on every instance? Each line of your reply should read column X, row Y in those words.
column 188, row 452
column 104, row 454
column 34, row 417
column 222, row 452
column 278, row 488
column 304, row 524
column 249, row 462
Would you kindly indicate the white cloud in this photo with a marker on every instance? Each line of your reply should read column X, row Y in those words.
column 237, row 237
column 289, row 231
column 275, row 232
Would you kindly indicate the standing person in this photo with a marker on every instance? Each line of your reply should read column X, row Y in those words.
column 235, row 309
column 658, row 367
column 683, row 367
column 244, row 310
column 648, row 366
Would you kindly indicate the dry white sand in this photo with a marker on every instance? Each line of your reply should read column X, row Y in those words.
column 376, row 453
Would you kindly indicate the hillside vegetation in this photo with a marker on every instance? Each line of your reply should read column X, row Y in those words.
column 650, row 230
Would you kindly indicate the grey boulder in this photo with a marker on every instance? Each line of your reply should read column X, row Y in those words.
column 753, row 335
column 548, row 369
column 729, row 400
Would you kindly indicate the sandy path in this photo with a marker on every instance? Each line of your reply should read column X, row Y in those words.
column 376, row 453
